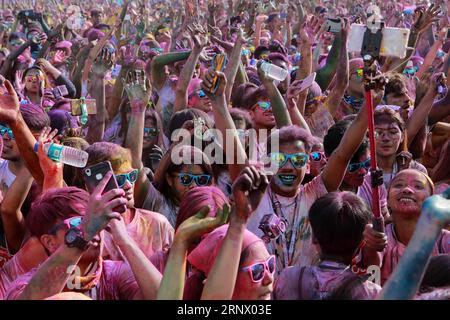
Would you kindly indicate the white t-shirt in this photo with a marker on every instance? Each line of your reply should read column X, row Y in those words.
column 6, row 176
column 305, row 253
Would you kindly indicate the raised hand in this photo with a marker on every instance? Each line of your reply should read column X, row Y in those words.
column 18, row 84
column 313, row 28
column 136, row 90
column 127, row 58
column 100, row 209
column 248, row 190
column 156, row 154
column 200, row 41
column 207, row 54
column 103, row 63
column 196, row 226
column 424, row 19
column 207, row 84
column 9, row 104
column 48, row 166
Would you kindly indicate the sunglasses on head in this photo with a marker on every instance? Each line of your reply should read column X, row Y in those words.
column 73, row 222
column 353, row 167
column 130, row 176
column 258, row 270
column 186, row 179
column 150, row 132
column 5, row 130
column 264, row 105
column 317, row 156
column 298, row 160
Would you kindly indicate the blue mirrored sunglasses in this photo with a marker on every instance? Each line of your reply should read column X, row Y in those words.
column 353, row 167
column 150, row 132
column 130, row 176
column 186, row 179
column 316, row 156
column 264, row 105
column 5, row 130
column 298, row 160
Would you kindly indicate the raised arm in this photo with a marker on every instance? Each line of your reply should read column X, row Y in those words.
column 334, row 170
column 224, row 122
column 52, row 170
column 188, row 233
column 51, row 277
column 138, row 97
column 10, row 115
column 248, row 190
column 405, row 280
column 419, row 116
column 159, row 75
column 96, row 122
column 12, row 217
column 431, row 55
column 233, row 64
column 147, row 276
column 181, row 93
column 342, row 74
column 277, row 102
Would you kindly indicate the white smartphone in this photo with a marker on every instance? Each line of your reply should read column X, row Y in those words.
column 393, row 44
column 307, row 82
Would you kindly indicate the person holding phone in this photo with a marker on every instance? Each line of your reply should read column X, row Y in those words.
column 150, row 230
column 71, row 236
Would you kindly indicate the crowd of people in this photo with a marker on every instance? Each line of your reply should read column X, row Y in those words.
column 225, row 182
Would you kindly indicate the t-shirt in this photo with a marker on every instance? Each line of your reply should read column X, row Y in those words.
column 155, row 201
column 365, row 192
column 117, row 282
column 305, row 253
column 6, row 176
column 28, row 257
column 150, row 230
column 318, row 282
column 394, row 250
column 387, row 177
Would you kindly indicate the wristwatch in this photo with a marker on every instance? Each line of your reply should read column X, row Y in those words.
column 74, row 239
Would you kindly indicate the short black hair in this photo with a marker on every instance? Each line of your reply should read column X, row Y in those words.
column 338, row 220
column 334, row 136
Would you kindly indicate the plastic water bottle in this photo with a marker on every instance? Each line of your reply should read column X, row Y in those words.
column 67, row 155
column 274, row 72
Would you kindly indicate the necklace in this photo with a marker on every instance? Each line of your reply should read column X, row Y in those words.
column 287, row 248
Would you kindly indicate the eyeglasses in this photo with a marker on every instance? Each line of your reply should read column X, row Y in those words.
column 353, row 167
column 73, row 222
column 130, row 176
column 150, row 132
column 317, row 99
column 5, row 130
column 317, row 156
column 33, row 78
column 186, row 179
column 264, row 105
column 440, row 54
column 258, row 270
column 201, row 94
column 298, row 160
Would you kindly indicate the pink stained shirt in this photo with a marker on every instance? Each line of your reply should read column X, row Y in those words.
column 394, row 251
column 305, row 253
column 318, row 282
column 28, row 257
column 117, row 282
column 365, row 192
column 151, row 231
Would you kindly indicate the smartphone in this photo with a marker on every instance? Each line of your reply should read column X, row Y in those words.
column 308, row 81
column 333, row 25
column 448, row 33
column 75, row 106
column 60, row 91
column 394, row 43
column 94, row 174
column 219, row 63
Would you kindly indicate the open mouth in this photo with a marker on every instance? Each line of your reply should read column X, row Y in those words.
column 287, row 179
column 406, row 200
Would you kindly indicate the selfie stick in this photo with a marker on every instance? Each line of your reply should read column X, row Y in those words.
column 371, row 52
